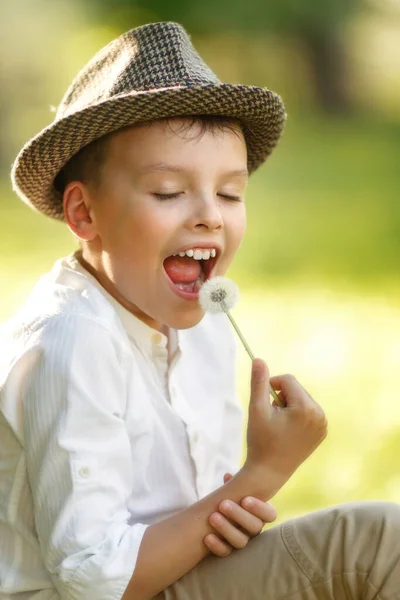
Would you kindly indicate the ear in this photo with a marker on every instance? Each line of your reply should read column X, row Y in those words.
column 78, row 211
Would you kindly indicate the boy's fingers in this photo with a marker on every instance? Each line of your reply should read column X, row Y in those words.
column 290, row 390
column 247, row 521
column 259, row 382
column 236, row 538
column 263, row 510
column 217, row 546
column 284, row 383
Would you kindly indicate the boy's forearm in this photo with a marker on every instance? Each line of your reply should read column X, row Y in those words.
column 171, row 548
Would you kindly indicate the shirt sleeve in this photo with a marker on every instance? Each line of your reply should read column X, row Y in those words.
column 79, row 459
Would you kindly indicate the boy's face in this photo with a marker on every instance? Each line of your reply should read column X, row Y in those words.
column 138, row 230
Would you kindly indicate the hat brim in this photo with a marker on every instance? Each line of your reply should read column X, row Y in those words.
column 40, row 160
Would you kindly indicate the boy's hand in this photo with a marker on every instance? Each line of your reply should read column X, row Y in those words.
column 280, row 439
column 236, row 524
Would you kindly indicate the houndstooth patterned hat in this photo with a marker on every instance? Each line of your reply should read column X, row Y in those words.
column 148, row 73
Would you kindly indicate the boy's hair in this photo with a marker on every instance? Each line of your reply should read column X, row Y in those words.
column 86, row 165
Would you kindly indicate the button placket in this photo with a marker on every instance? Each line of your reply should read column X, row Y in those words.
column 174, row 399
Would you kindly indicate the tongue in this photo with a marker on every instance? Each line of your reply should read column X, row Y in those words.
column 182, row 269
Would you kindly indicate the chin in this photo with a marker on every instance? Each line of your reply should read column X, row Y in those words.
column 185, row 321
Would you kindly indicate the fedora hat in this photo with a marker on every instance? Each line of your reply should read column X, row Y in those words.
column 148, row 73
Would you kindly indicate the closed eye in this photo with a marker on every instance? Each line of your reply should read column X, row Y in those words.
column 167, row 196
column 176, row 194
column 234, row 198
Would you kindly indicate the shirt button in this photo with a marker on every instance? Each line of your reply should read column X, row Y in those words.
column 156, row 338
column 196, row 437
column 84, row 472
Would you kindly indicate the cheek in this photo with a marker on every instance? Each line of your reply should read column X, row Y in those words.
column 114, row 226
column 237, row 227
column 139, row 237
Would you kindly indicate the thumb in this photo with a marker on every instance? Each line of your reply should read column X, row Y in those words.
column 259, row 383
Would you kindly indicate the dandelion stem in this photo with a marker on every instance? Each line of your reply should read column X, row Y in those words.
column 250, row 353
column 236, row 327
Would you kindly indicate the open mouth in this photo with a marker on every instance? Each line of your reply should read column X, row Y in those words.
column 188, row 270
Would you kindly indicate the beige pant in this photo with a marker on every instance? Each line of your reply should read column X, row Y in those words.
column 346, row 551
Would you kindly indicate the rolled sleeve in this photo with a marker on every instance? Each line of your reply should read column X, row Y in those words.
column 79, row 459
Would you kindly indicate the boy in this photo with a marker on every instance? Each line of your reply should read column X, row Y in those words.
column 119, row 421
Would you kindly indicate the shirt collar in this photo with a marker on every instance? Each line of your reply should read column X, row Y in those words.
column 145, row 337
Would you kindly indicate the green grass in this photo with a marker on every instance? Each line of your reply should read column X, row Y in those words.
column 345, row 349
column 29, row 244
column 325, row 207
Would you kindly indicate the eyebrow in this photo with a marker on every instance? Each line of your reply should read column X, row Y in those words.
column 178, row 169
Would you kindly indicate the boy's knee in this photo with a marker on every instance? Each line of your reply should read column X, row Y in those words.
column 368, row 535
column 372, row 548
column 344, row 538
column 372, row 516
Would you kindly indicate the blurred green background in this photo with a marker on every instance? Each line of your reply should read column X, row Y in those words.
column 318, row 270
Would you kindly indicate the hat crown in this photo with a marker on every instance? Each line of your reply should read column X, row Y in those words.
column 149, row 73
column 150, row 57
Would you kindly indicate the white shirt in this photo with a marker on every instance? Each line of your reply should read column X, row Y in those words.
column 100, row 437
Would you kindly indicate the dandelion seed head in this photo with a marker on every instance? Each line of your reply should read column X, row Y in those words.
column 218, row 294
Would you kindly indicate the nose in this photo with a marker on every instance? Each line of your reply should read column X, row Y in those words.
column 206, row 214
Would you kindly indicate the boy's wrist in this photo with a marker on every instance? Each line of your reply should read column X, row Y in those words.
column 261, row 481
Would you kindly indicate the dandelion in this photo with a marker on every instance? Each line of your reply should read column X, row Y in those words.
column 221, row 294
column 218, row 294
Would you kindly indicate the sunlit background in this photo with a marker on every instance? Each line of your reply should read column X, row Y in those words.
column 319, row 270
